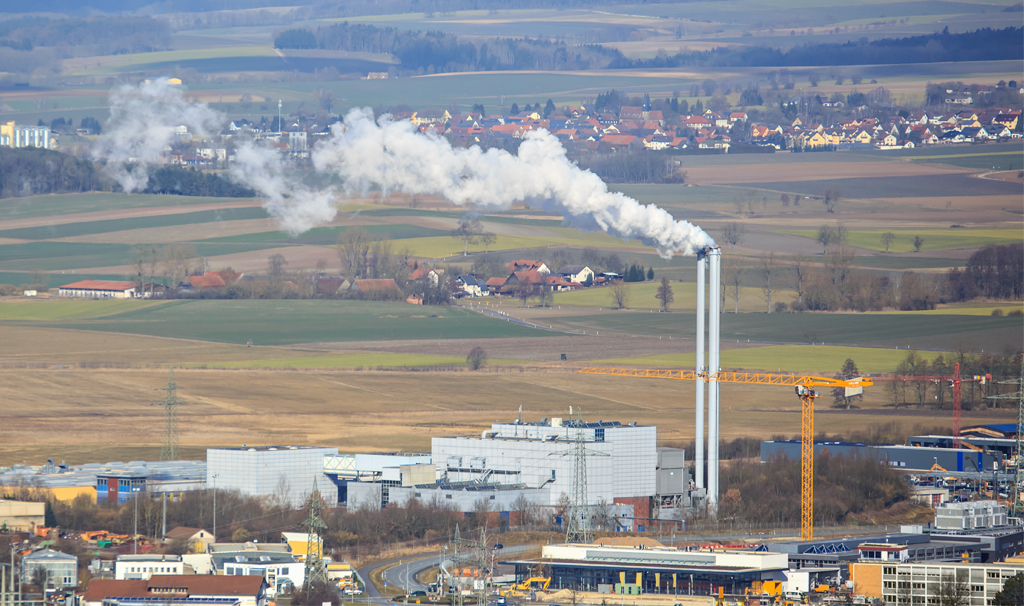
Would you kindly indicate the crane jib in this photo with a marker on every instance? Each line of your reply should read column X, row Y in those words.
column 730, row 377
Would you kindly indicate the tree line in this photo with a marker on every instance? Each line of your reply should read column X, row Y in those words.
column 768, row 493
column 909, row 388
column 101, row 35
column 985, row 44
column 436, row 51
column 30, row 171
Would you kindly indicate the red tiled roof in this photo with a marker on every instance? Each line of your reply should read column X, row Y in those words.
column 100, row 285
column 497, row 281
column 618, row 139
column 206, row 281
column 377, row 284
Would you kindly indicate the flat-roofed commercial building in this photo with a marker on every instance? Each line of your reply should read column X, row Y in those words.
column 653, row 570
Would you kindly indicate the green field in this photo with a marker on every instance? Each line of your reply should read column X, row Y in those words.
column 66, row 204
column 934, row 239
column 328, row 236
column 64, row 309
column 281, row 322
column 351, row 361
column 78, row 255
column 1010, row 160
column 68, row 230
column 641, row 296
column 948, row 185
column 136, row 61
column 883, row 330
column 822, row 359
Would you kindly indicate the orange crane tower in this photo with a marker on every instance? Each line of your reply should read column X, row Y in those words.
column 804, row 386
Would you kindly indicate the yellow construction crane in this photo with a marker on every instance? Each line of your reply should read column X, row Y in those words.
column 804, row 387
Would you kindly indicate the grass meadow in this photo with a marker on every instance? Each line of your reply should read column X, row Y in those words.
column 942, row 186
column 67, row 309
column 783, row 358
column 68, row 204
column 83, row 228
column 281, row 322
column 934, row 239
column 939, row 331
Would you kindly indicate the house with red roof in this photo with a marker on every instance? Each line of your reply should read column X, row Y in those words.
column 528, row 265
column 381, row 289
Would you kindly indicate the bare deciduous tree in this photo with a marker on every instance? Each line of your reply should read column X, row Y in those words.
column 664, row 294
column 733, row 233
column 353, row 251
column 887, row 239
column 767, row 271
column 732, row 278
column 800, row 275
column 178, row 260
column 620, row 296
column 469, row 230
column 477, row 358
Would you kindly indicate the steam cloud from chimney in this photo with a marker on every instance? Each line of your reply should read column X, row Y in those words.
column 362, row 153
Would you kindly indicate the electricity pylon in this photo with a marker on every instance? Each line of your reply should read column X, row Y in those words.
column 577, row 530
column 169, row 452
column 1017, row 504
column 316, row 573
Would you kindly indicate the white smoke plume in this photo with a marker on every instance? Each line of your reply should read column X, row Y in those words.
column 392, row 155
column 297, row 207
column 142, row 122
column 395, row 156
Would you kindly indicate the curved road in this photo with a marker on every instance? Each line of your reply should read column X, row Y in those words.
column 404, row 574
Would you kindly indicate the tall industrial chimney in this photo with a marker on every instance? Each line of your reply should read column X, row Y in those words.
column 714, row 351
column 698, row 463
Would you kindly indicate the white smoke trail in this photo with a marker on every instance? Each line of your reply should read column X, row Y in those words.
column 298, row 207
column 142, row 122
column 395, row 156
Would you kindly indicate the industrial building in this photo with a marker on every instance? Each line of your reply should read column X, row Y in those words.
column 285, row 472
column 59, row 570
column 106, row 482
column 909, row 458
column 919, row 583
column 652, row 570
column 626, row 471
column 21, row 515
column 970, row 515
column 913, row 544
column 144, row 566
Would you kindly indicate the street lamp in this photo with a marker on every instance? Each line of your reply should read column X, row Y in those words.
column 215, row 476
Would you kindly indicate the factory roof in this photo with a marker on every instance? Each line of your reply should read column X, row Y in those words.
column 188, row 584
column 270, row 448
column 55, row 476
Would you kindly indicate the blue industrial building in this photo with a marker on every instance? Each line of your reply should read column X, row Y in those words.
column 910, row 458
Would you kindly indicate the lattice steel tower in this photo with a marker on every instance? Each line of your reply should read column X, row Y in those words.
column 169, row 452
column 1016, row 503
column 316, row 573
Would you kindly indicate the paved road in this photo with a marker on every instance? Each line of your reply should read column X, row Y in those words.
column 402, row 572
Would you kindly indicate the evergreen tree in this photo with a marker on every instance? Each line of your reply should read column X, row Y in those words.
column 515, row 109
column 549, row 108
column 650, row 274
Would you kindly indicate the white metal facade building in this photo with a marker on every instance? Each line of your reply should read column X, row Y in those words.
column 285, row 471
column 621, row 461
column 921, row 582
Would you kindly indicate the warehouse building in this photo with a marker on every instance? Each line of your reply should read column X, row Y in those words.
column 114, row 482
column 653, row 570
column 910, row 458
column 284, row 472
column 98, row 289
column 21, row 516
